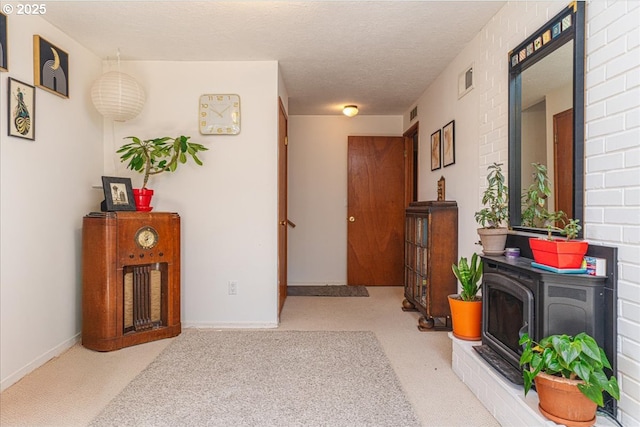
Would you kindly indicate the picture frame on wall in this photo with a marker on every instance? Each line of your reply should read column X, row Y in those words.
column 118, row 194
column 21, row 111
column 4, row 43
column 435, row 150
column 50, row 67
column 448, row 144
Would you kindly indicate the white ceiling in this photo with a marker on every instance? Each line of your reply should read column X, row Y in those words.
column 380, row 55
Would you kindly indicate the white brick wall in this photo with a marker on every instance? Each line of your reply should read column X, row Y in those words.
column 613, row 170
column 612, row 145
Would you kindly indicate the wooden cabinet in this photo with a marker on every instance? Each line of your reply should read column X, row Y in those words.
column 130, row 278
column 431, row 247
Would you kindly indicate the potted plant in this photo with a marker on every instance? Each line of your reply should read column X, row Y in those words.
column 569, row 376
column 558, row 253
column 466, row 307
column 155, row 156
column 494, row 218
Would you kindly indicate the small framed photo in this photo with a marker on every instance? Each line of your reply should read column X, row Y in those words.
column 435, row 150
column 22, row 110
column 4, row 43
column 50, row 67
column 448, row 144
column 118, row 194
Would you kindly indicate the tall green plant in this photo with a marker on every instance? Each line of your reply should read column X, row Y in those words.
column 158, row 155
column 495, row 198
column 577, row 357
column 469, row 275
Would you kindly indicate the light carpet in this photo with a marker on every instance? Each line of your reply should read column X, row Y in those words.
column 264, row 378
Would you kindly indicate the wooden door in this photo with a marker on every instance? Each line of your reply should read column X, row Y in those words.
column 282, row 205
column 563, row 162
column 375, row 213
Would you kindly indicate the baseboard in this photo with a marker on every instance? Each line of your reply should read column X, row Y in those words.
column 39, row 361
column 230, row 325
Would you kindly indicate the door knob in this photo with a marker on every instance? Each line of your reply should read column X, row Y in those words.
column 352, row 219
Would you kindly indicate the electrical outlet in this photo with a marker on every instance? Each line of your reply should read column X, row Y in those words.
column 233, row 287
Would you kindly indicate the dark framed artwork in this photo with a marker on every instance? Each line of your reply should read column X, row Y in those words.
column 4, row 43
column 448, row 144
column 118, row 194
column 435, row 150
column 50, row 67
column 22, row 110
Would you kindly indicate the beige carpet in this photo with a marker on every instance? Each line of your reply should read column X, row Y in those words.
column 265, row 378
column 72, row 389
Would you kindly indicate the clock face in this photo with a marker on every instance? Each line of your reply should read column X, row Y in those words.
column 219, row 114
column 146, row 237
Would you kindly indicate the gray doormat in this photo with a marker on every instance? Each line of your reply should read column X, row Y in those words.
column 327, row 291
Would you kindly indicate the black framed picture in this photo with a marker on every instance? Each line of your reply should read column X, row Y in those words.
column 22, row 110
column 435, row 150
column 50, row 67
column 118, row 194
column 4, row 43
column 448, row 144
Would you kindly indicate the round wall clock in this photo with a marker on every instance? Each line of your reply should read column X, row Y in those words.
column 219, row 114
column 146, row 237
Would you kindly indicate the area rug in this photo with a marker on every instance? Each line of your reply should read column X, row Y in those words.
column 264, row 378
column 327, row 291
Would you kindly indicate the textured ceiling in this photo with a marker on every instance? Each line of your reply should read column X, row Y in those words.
column 380, row 55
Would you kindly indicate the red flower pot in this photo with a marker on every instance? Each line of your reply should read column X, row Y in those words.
column 558, row 253
column 142, row 197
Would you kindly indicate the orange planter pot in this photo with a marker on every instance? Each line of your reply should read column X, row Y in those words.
column 466, row 317
column 558, row 253
column 562, row 402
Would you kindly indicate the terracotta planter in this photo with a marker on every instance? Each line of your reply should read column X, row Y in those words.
column 142, row 198
column 558, row 253
column 466, row 317
column 493, row 240
column 562, row 402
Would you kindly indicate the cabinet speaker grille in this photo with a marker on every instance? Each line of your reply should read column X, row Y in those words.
column 142, row 297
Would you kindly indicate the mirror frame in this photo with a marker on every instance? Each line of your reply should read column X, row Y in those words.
column 521, row 58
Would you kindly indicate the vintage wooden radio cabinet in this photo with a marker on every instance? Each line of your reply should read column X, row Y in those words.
column 130, row 278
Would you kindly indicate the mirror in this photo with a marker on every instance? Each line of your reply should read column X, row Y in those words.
column 546, row 114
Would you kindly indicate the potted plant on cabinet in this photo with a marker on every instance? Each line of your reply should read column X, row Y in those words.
column 494, row 218
column 569, row 376
column 558, row 253
column 155, row 156
column 466, row 307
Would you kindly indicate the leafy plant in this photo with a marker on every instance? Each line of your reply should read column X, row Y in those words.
column 537, row 214
column 469, row 275
column 495, row 198
column 577, row 357
column 157, row 155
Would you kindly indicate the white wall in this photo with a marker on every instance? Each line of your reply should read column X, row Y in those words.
column 45, row 192
column 612, row 164
column 318, row 192
column 228, row 207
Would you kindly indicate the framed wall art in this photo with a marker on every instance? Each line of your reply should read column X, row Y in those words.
column 22, row 110
column 448, row 144
column 118, row 194
column 50, row 67
column 4, row 43
column 435, row 150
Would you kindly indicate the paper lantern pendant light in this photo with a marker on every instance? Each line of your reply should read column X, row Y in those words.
column 117, row 96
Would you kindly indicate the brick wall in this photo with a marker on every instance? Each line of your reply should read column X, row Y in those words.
column 612, row 146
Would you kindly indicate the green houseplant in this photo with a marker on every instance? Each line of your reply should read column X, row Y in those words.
column 557, row 253
column 155, row 156
column 494, row 217
column 466, row 307
column 565, row 366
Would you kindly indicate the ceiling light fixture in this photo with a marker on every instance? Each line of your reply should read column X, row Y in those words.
column 350, row 110
column 117, row 95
